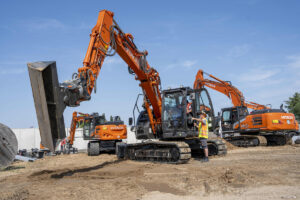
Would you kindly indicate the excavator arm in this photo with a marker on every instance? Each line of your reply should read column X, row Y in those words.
column 107, row 38
column 75, row 119
column 225, row 87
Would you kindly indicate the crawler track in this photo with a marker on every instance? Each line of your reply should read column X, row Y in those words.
column 159, row 151
column 278, row 139
column 247, row 140
column 216, row 147
column 268, row 139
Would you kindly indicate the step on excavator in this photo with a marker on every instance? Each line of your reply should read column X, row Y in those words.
column 262, row 126
column 102, row 135
column 166, row 131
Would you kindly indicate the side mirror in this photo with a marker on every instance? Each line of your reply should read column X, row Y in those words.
column 130, row 120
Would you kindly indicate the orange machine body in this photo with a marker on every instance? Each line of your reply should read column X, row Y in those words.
column 110, row 132
column 268, row 122
column 101, row 130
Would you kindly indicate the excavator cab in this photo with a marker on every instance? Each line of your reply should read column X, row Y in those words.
column 174, row 112
column 177, row 117
column 90, row 124
column 232, row 116
column 177, row 120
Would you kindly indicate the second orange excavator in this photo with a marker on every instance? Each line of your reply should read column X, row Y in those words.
column 262, row 126
column 103, row 135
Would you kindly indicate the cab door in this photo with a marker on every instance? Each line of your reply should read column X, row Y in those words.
column 173, row 118
column 226, row 120
column 88, row 128
column 204, row 104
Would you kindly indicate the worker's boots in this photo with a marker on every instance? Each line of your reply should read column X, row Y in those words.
column 205, row 159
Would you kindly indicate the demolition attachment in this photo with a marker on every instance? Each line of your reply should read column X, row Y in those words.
column 48, row 100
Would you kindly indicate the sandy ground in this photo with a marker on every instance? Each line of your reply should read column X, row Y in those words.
column 245, row 173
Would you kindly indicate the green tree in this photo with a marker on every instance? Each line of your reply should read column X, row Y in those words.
column 293, row 105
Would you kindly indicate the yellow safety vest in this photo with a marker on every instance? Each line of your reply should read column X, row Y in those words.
column 203, row 130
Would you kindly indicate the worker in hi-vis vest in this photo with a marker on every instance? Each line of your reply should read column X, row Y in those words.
column 203, row 133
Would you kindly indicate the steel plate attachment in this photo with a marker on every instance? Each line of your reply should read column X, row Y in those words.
column 48, row 102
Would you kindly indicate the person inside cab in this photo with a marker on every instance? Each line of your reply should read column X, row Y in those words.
column 188, row 107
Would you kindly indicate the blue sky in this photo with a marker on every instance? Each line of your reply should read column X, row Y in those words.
column 255, row 44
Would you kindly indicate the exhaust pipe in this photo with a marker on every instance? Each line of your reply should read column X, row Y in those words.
column 49, row 103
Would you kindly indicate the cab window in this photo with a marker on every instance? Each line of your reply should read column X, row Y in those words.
column 174, row 105
column 226, row 116
column 203, row 103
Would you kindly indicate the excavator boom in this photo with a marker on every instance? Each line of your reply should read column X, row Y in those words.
column 52, row 97
column 226, row 88
column 75, row 119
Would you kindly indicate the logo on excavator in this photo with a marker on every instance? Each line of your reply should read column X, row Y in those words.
column 210, row 85
column 117, row 128
column 244, row 125
column 286, row 117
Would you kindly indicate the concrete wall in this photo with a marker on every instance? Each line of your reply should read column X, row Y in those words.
column 29, row 138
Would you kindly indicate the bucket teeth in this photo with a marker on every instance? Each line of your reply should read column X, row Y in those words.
column 48, row 102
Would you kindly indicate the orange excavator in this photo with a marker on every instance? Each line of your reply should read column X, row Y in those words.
column 103, row 135
column 262, row 126
column 163, row 119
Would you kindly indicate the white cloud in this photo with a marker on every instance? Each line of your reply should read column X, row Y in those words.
column 12, row 67
column 5, row 63
column 258, row 74
column 12, row 71
column 187, row 64
column 294, row 61
column 272, row 84
column 111, row 60
column 84, row 25
column 239, row 50
column 43, row 24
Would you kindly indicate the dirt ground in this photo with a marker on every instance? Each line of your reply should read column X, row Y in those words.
column 245, row 173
